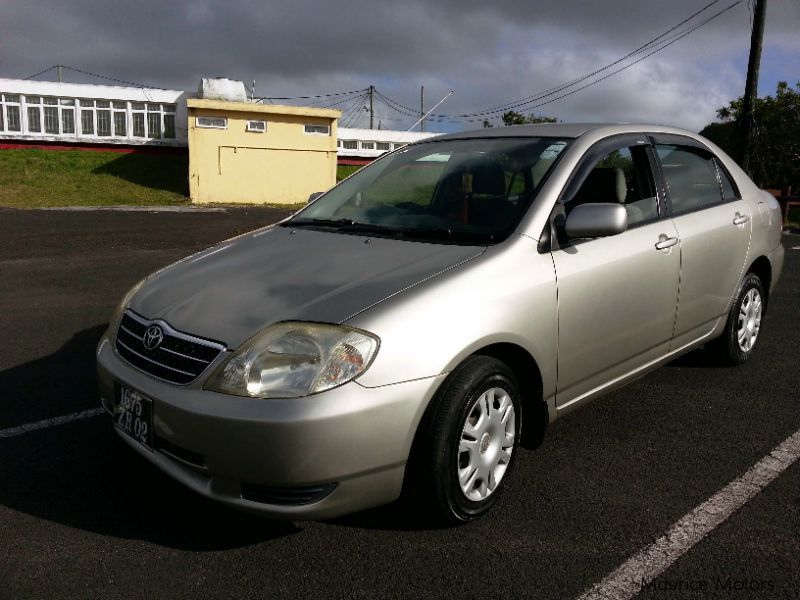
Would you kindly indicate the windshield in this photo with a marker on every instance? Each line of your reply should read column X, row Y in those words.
column 465, row 191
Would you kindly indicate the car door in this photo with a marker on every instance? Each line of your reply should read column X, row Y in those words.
column 617, row 295
column 714, row 226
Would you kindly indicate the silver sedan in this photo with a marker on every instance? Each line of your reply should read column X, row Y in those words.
column 411, row 327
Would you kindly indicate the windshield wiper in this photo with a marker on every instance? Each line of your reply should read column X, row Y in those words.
column 437, row 233
column 319, row 222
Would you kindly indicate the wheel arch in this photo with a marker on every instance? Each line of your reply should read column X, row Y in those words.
column 535, row 416
column 763, row 268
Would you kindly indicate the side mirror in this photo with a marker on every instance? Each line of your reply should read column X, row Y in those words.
column 596, row 220
column 314, row 196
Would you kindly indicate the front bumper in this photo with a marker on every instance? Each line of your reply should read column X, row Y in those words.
column 356, row 437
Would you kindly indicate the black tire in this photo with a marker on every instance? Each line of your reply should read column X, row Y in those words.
column 726, row 349
column 435, row 460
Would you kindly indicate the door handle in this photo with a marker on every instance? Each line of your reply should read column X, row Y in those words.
column 665, row 242
column 740, row 219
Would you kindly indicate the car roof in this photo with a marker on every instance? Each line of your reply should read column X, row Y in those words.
column 559, row 130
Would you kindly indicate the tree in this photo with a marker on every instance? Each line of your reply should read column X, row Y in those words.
column 514, row 118
column 775, row 162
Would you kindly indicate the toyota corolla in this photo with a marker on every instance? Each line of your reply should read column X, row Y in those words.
column 414, row 325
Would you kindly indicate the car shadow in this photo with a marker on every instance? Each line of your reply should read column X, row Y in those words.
column 81, row 475
column 700, row 358
column 398, row 516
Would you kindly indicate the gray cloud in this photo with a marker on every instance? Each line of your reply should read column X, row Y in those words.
column 488, row 53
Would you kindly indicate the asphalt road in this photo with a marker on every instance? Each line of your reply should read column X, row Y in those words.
column 82, row 516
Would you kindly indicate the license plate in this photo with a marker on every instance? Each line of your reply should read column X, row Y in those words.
column 133, row 414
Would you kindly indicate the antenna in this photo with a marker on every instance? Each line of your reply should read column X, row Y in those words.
column 435, row 106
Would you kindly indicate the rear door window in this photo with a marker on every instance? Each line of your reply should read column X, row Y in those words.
column 691, row 177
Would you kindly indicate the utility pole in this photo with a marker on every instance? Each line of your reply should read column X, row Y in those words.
column 422, row 108
column 435, row 106
column 751, row 87
column 59, row 73
column 371, row 106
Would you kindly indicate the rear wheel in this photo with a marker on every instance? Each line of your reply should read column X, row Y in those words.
column 468, row 441
column 743, row 327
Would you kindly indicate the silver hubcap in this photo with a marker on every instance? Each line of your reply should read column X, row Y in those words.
column 487, row 441
column 749, row 320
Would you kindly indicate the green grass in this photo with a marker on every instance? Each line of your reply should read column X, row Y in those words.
column 41, row 178
column 343, row 171
column 45, row 178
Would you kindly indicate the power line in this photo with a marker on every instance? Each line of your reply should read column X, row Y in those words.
column 355, row 111
column 107, row 78
column 311, row 97
column 338, row 102
column 39, row 73
column 658, row 43
column 665, row 39
column 679, row 37
column 521, row 102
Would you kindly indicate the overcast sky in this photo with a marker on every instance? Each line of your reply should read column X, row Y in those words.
column 489, row 52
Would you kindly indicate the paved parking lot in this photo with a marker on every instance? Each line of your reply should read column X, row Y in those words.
column 82, row 516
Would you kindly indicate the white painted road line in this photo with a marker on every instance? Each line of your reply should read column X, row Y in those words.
column 22, row 429
column 630, row 577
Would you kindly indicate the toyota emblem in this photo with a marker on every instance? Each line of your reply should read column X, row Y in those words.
column 153, row 336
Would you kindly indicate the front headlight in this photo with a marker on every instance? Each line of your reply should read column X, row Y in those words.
column 117, row 316
column 290, row 360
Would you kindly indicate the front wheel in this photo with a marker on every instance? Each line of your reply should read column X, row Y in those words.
column 743, row 327
column 469, row 440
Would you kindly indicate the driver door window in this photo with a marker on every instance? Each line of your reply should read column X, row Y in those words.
column 621, row 176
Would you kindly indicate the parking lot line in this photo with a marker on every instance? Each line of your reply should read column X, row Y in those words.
column 642, row 568
column 46, row 423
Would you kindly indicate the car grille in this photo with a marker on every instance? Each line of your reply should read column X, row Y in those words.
column 178, row 358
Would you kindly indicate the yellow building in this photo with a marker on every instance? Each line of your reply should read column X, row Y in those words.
column 259, row 153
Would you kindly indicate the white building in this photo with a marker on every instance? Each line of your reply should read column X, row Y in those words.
column 363, row 145
column 75, row 113
column 48, row 112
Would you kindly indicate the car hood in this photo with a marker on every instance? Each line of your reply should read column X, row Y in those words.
column 234, row 289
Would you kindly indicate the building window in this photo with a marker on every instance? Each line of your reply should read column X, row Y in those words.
column 138, row 124
column 317, row 129
column 169, row 126
column 397, row 145
column 51, row 119
column 87, row 121
column 368, row 145
column 350, row 144
column 12, row 118
column 34, row 119
column 95, row 117
column 120, row 123
column 257, row 126
column 9, row 112
column 382, row 146
column 137, row 115
column 154, row 125
column 212, row 122
column 104, row 123
column 68, row 120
